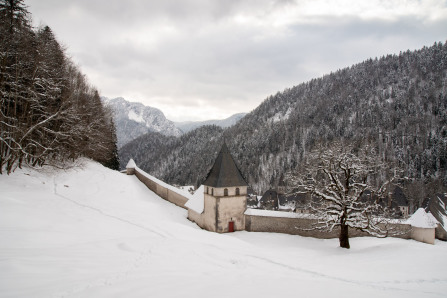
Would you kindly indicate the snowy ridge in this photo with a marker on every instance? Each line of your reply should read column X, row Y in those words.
column 136, row 117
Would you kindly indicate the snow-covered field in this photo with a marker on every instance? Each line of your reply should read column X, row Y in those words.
column 92, row 232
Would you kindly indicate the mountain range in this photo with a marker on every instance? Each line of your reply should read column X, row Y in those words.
column 396, row 103
column 133, row 119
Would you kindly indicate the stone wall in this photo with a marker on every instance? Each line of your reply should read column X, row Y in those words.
column 195, row 217
column 295, row 225
column 209, row 216
column 162, row 191
column 426, row 235
column 304, row 227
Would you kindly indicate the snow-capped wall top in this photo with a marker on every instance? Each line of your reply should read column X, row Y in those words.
column 272, row 213
column 422, row 219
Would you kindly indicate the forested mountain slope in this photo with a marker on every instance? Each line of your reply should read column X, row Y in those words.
column 397, row 102
column 183, row 160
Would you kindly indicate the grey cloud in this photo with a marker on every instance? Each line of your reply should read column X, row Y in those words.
column 208, row 57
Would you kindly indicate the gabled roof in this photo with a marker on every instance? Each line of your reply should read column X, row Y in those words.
column 224, row 172
column 422, row 219
column 131, row 164
column 399, row 197
column 268, row 195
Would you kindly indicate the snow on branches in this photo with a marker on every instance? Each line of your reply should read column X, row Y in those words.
column 48, row 111
column 347, row 185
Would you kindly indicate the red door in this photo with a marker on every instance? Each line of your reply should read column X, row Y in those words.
column 231, row 226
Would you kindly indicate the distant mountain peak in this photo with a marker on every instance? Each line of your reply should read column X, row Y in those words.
column 133, row 119
column 187, row 126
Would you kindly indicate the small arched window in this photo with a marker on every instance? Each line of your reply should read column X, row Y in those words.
column 238, row 191
column 212, row 191
column 225, row 192
column 207, row 190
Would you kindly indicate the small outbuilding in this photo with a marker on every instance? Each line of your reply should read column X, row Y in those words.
column 423, row 226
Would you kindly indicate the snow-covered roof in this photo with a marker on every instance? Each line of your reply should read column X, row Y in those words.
column 131, row 164
column 196, row 202
column 422, row 219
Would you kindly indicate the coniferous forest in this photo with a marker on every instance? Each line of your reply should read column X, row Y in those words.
column 49, row 111
column 397, row 103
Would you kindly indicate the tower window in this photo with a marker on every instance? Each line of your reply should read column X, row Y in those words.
column 225, row 192
column 237, row 191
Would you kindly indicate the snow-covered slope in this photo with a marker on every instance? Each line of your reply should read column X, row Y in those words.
column 191, row 125
column 134, row 119
column 93, row 232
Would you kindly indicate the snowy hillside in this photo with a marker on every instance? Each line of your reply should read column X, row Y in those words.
column 187, row 126
column 92, row 232
column 134, row 119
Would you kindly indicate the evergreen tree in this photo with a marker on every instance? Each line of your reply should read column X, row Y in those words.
column 49, row 112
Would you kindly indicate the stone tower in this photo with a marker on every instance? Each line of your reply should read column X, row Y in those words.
column 225, row 196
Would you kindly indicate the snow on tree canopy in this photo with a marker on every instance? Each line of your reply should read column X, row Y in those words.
column 131, row 164
column 422, row 219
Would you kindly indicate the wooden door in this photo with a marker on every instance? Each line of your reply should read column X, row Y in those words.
column 231, row 226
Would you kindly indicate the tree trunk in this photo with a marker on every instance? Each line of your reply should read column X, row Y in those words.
column 344, row 236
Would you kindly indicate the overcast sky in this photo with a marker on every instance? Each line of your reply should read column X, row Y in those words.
column 209, row 59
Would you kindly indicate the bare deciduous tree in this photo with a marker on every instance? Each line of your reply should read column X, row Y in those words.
column 347, row 186
column 48, row 111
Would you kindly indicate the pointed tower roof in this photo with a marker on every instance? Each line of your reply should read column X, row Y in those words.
column 224, row 172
